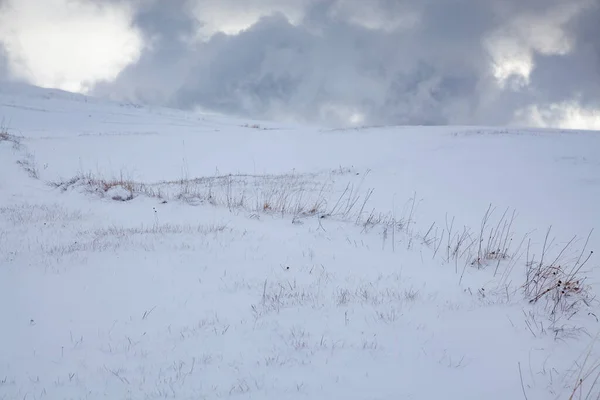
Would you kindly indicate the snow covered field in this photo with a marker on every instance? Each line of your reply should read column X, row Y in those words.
column 148, row 253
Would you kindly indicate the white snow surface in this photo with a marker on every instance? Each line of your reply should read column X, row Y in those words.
column 149, row 253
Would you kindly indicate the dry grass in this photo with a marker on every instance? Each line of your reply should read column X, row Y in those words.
column 384, row 298
column 367, row 294
column 585, row 386
column 287, row 194
column 494, row 242
column 160, row 229
column 26, row 213
column 556, row 282
column 296, row 195
column 29, row 164
column 280, row 295
column 6, row 136
column 560, row 282
column 492, row 245
column 119, row 238
column 253, row 126
column 117, row 188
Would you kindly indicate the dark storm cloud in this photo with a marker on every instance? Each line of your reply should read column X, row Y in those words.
column 167, row 29
column 577, row 75
column 328, row 66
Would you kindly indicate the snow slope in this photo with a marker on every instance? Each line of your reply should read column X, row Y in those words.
column 154, row 253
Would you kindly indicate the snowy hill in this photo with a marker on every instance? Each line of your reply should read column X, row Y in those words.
column 154, row 253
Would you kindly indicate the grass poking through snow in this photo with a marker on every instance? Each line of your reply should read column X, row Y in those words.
column 561, row 283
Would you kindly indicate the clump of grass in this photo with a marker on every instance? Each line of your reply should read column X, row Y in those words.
column 253, row 126
column 105, row 186
column 586, row 382
column 561, row 282
column 161, row 229
column 6, row 136
column 491, row 245
column 369, row 294
column 494, row 242
column 296, row 195
column 286, row 194
column 344, row 171
column 29, row 164
column 280, row 295
column 117, row 237
column 102, row 186
column 26, row 213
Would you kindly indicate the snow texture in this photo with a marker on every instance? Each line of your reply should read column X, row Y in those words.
column 259, row 260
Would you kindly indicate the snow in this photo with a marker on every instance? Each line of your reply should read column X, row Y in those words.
column 253, row 259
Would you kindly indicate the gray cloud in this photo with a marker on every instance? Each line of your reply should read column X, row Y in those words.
column 577, row 75
column 394, row 61
column 3, row 64
column 168, row 57
column 3, row 58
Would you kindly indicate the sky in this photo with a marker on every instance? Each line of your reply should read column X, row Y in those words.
column 329, row 62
